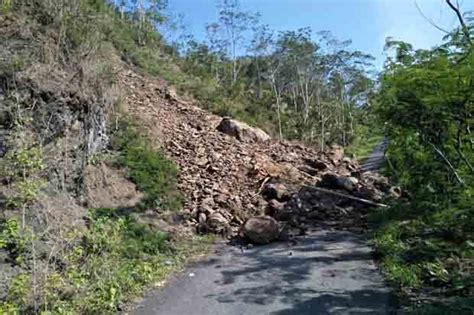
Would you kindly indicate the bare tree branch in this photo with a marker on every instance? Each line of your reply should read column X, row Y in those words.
column 429, row 20
column 339, row 194
column 464, row 27
column 447, row 162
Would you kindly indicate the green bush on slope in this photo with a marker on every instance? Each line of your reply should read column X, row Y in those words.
column 148, row 168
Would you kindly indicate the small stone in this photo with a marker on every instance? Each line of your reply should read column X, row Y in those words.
column 274, row 207
column 217, row 222
column 395, row 192
column 348, row 183
column 202, row 218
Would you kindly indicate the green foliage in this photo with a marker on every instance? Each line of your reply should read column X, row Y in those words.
column 147, row 167
column 9, row 308
column 12, row 239
column 115, row 258
column 6, row 5
column 367, row 134
column 21, row 168
column 22, row 162
column 456, row 305
column 425, row 241
column 109, row 262
column 427, row 245
column 19, row 289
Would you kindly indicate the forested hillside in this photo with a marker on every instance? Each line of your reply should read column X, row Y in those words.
column 99, row 198
column 291, row 83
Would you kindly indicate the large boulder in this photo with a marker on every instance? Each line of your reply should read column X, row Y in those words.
column 261, row 229
column 273, row 207
column 242, row 131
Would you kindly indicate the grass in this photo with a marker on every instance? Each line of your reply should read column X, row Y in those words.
column 427, row 253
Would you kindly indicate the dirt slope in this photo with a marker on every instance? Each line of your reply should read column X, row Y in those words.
column 220, row 176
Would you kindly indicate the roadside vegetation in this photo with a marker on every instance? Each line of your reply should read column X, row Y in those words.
column 426, row 241
column 105, row 265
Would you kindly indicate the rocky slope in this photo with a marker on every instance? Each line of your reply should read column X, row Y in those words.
column 230, row 172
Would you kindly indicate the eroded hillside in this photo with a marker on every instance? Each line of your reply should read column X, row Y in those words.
column 224, row 177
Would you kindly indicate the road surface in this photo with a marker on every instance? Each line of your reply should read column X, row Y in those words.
column 327, row 272
column 376, row 159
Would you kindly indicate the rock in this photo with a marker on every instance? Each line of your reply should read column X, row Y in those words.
column 336, row 154
column 202, row 218
column 308, row 170
column 242, row 131
column 333, row 181
column 329, row 180
column 395, row 192
column 274, row 207
column 276, row 191
column 348, row 183
column 316, row 164
column 221, row 199
column 370, row 193
column 153, row 220
column 377, row 180
column 217, row 222
column 261, row 230
column 284, row 215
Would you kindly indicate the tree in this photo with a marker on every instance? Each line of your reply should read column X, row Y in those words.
column 427, row 96
column 261, row 47
column 228, row 32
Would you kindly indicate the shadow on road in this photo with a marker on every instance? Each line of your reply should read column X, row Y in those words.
column 328, row 272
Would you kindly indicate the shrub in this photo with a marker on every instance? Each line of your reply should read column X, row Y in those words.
column 103, row 266
column 147, row 167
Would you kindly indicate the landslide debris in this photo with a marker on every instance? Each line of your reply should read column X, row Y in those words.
column 231, row 172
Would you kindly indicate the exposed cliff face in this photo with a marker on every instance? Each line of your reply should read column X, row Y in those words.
column 59, row 106
column 55, row 97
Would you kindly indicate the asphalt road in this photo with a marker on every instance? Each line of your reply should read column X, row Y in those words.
column 376, row 159
column 327, row 272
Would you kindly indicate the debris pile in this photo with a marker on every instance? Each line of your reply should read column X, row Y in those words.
column 231, row 172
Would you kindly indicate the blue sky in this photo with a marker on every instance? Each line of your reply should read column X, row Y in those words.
column 366, row 22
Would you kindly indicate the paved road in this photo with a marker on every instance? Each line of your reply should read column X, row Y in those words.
column 327, row 272
column 376, row 159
